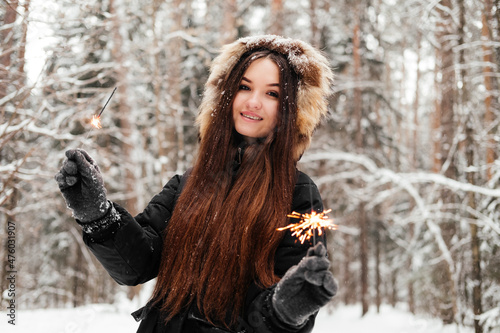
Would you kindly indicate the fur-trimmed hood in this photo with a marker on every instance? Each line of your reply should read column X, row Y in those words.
column 315, row 81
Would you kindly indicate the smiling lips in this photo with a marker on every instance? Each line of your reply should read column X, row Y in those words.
column 250, row 116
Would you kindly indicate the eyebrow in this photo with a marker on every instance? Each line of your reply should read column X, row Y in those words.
column 250, row 81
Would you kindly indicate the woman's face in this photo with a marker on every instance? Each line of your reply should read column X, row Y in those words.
column 256, row 103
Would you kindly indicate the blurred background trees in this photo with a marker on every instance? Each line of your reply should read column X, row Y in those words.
column 407, row 159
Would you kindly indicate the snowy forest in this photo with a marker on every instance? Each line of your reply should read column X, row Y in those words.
column 407, row 159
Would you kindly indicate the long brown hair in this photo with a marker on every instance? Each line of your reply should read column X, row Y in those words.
column 222, row 234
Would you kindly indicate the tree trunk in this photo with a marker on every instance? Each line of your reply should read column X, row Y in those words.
column 410, row 286
column 10, row 225
column 445, row 63
column 315, row 31
column 394, row 288
column 276, row 17
column 157, row 82
column 175, row 108
column 363, row 239
column 436, row 125
column 22, row 46
column 416, row 106
column 229, row 28
column 378, row 281
column 497, row 19
column 358, row 114
column 488, row 73
column 349, row 283
column 358, row 103
column 475, row 243
column 412, row 144
column 77, row 292
column 469, row 146
column 7, row 38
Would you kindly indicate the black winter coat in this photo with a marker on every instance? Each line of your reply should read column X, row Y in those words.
column 130, row 251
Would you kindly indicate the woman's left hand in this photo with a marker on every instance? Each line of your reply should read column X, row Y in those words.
column 305, row 288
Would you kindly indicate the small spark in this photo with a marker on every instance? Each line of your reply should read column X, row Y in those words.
column 96, row 121
column 304, row 229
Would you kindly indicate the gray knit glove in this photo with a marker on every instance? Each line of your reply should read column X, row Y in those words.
column 82, row 187
column 305, row 288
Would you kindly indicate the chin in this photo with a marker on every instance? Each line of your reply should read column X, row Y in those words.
column 246, row 133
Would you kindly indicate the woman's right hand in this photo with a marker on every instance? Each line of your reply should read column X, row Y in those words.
column 81, row 185
column 305, row 287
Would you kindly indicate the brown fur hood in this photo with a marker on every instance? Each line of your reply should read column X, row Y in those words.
column 316, row 79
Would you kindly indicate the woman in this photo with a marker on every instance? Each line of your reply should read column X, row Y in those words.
column 209, row 237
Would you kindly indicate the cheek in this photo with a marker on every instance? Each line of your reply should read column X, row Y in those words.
column 236, row 103
column 234, row 107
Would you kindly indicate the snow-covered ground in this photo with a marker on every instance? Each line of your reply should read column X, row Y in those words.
column 116, row 318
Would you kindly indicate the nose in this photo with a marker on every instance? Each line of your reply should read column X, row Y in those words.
column 254, row 102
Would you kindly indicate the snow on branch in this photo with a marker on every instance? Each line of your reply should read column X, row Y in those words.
column 8, row 128
column 189, row 38
column 407, row 181
column 410, row 178
column 49, row 133
column 13, row 95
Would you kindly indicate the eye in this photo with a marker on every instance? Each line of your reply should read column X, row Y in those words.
column 243, row 87
column 274, row 94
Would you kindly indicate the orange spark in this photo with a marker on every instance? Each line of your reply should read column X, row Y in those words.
column 304, row 229
column 96, row 121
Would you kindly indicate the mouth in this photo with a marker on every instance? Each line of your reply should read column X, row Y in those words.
column 251, row 117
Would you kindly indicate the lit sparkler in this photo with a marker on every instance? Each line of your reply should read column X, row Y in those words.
column 304, row 229
column 96, row 120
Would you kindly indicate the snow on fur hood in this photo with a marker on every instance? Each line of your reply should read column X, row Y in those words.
column 315, row 81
